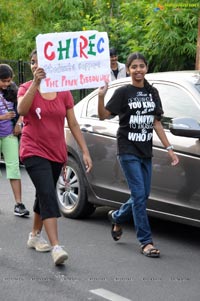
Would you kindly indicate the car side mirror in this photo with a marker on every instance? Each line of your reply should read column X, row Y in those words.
column 186, row 127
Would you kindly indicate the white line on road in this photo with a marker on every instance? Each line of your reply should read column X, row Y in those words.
column 108, row 295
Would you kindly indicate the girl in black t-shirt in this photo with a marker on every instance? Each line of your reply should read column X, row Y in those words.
column 139, row 108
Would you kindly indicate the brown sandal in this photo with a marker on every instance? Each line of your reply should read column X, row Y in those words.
column 150, row 252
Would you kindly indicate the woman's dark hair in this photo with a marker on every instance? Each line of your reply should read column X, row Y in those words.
column 10, row 93
column 135, row 56
column 6, row 71
column 152, row 90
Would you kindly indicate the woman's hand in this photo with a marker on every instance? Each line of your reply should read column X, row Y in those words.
column 9, row 115
column 38, row 75
column 17, row 129
column 102, row 112
column 174, row 157
column 103, row 90
column 88, row 162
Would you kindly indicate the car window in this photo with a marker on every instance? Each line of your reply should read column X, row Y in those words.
column 197, row 86
column 92, row 106
column 177, row 102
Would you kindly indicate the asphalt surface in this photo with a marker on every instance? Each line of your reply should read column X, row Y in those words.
column 98, row 268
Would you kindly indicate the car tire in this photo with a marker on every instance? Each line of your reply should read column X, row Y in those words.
column 72, row 192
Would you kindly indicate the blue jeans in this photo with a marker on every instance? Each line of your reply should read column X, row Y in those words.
column 138, row 175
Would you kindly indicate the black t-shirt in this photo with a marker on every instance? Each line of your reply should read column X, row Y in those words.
column 136, row 110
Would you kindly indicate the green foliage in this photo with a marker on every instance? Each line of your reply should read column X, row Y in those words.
column 165, row 31
column 171, row 38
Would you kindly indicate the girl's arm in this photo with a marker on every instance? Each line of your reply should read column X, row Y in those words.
column 102, row 112
column 163, row 138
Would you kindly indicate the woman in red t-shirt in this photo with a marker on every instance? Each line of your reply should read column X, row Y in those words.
column 43, row 151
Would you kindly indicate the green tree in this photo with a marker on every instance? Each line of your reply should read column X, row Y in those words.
column 171, row 38
column 167, row 35
column 165, row 31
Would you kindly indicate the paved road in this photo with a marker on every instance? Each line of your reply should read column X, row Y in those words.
column 98, row 269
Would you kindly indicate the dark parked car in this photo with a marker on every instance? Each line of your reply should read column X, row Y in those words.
column 175, row 192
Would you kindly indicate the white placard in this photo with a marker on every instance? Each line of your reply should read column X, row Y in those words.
column 73, row 60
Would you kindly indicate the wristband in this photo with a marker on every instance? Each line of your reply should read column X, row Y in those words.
column 169, row 147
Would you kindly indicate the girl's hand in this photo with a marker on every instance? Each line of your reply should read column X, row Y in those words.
column 9, row 115
column 17, row 129
column 38, row 75
column 88, row 162
column 103, row 90
column 174, row 157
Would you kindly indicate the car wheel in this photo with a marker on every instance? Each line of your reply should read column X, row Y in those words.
column 72, row 192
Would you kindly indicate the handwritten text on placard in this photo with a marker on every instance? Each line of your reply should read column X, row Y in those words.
column 73, row 60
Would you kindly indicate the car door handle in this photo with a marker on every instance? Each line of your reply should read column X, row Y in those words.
column 86, row 128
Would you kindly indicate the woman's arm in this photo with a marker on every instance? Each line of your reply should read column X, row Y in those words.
column 76, row 132
column 18, row 126
column 25, row 101
column 163, row 138
column 102, row 112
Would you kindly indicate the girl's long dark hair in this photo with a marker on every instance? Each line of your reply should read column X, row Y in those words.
column 152, row 90
column 6, row 71
column 10, row 93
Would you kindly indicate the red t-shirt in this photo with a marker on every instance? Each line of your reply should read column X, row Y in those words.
column 43, row 131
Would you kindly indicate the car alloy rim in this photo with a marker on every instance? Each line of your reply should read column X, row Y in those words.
column 68, row 188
